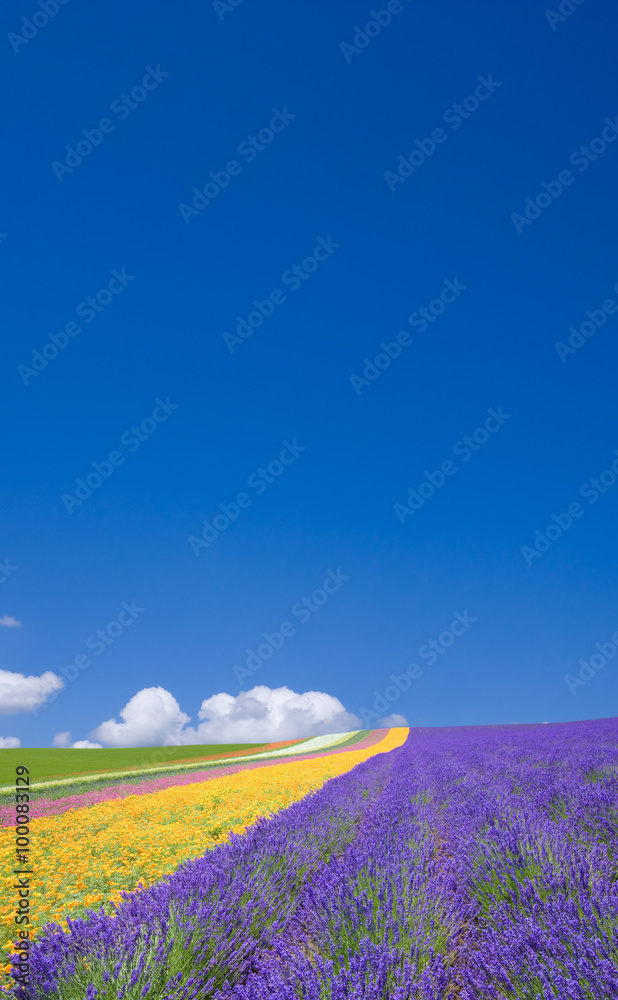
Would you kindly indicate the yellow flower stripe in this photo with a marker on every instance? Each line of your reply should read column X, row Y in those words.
column 83, row 858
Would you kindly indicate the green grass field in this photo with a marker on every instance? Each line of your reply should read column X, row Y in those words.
column 45, row 764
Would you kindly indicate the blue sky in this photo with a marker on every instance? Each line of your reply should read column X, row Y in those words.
column 318, row 223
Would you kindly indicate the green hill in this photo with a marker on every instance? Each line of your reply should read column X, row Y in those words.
column 46, row 763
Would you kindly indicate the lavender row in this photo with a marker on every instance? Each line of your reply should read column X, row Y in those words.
column 470, row 863
column 486, row 869
column 380, row 921
column 203, row 926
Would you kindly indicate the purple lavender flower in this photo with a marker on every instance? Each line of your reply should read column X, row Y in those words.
column 475, row 863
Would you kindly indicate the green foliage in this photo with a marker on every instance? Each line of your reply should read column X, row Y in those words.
column 46, row 763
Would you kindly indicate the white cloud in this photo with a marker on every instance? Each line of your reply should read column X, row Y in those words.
column 153, row 718
column 393, row 721
column 9, row 622
column 20, row 694
column 269, row 714
column 9, row 742
column 64, row 740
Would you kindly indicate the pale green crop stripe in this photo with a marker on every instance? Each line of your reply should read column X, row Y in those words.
column 306, row 746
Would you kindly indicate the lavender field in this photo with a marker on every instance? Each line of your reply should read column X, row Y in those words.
column 469, row 863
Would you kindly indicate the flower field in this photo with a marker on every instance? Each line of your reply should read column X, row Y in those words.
column 59, row 796
column 95, row 773
column 461, row 864
column 89, row 852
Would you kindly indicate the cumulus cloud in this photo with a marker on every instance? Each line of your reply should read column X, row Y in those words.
column 264, row 713
column 393, row 721
column 9, row 742
column 21, row 694
column 153, row 718
column 65, row 740
column 9, row 622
